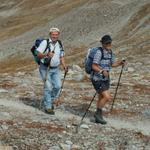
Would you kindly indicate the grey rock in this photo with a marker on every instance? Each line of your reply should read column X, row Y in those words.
column 65, row 146
column 75, row 147
column 68, row 126
column 3, row 91
column 68, row 142
column 139, row 63
column 123, row 49
column 130, row 69
column 77, row 76
column 54, row 148
column 4, row 127
column 5, row 116
column 134, row 147
column 126, row 107
column 147, row 113
column 84, row 126
column 76, row 68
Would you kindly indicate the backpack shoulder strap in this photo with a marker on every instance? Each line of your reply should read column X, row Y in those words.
column 61, row 45
column 101, row 49
column 111, row 53
column 102, row 52
column 47, row 46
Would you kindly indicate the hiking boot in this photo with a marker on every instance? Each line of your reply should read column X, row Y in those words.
column 50, row 111
column 99, row 118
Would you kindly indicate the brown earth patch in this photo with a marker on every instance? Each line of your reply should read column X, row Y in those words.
column 139, row 135
column 8, row 122
column 16, row 64
column 49, row 127
column 34, row 13
column 6, row 84
column 142, row 89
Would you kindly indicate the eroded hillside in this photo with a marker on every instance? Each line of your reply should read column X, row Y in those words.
column 82, row 24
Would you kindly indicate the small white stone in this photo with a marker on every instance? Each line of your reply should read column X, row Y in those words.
column 76, row 68
column 130, row 69
column 126, row 107
column 64, row 132
column 3, row 91
column 84, row 126
column 54, row 148
column 4, row 127
column 68, row 142
column 21, row 73
column 68, row 126
column 76, row 147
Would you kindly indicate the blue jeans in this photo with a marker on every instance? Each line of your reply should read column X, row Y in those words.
column 51, row 86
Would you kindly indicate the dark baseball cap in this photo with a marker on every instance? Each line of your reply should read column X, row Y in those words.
column 106, row 39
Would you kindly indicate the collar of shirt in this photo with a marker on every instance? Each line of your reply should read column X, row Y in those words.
column 51, row 42
column 106, row 50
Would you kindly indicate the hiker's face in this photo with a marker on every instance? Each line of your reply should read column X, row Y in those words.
column 107, row 46
column 54, row 36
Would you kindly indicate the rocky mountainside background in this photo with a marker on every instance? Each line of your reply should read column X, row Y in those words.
column 23, row 126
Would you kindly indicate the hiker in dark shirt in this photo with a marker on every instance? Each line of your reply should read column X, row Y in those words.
column 100, row 75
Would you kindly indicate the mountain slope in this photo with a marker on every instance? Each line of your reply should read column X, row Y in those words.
column 82, row 24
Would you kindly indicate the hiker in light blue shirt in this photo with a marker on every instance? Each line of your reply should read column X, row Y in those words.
column 52, row 57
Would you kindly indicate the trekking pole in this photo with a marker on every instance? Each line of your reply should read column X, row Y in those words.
column 63, row 83
column 57, row 102
column 86, row 112
column 117, row 87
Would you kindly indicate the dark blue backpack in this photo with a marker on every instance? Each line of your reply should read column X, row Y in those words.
column 89, row 58
column 34, row 49
column 37, row 44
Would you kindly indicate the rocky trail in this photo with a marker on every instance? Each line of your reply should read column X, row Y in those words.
column 24, row 126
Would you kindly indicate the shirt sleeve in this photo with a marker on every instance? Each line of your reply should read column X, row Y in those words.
column 97, row 57
column 62, row 53
column 113, row 58
column 42, row 46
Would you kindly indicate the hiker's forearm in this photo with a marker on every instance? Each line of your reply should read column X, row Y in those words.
column 117, row 63
column 41, row 55
column 62, row 60
column 96, row 68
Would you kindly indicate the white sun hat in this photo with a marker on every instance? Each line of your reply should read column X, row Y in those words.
column 54, row 30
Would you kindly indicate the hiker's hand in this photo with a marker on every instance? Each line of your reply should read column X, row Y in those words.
column 50, row 54
column 47, row 61
column 66, row 69
column 105, row 73
column 123, row 62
